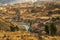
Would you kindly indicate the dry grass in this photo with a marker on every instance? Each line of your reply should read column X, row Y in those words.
column 24, row 36
column 17, row 36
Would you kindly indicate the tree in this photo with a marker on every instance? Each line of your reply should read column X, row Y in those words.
column 53, row 29
column 12, row 28
column 30, row 21
column 16, row 28
column 58, row 18
column 53, row 19
column 47, row 29
column 30, row 29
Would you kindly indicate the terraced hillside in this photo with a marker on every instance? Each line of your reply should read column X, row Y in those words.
column 35, row 16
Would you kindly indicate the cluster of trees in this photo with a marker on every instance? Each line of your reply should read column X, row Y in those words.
column 57, row 18
column 14, row 28
column 51, row 29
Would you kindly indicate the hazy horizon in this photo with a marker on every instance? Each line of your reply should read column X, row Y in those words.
column 19, row 1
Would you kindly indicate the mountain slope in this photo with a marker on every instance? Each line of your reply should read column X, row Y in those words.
column 4, row 25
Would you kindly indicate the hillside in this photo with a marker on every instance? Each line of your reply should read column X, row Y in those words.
column 24, row 21
column 22, row 34
column 4, row 25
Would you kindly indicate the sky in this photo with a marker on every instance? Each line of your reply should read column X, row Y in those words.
column 19, row 1
column 14, row 1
